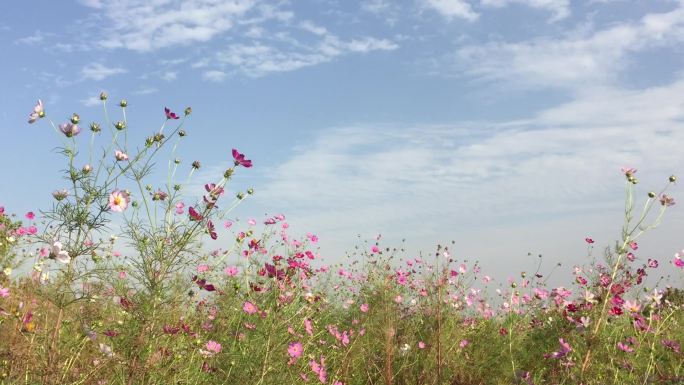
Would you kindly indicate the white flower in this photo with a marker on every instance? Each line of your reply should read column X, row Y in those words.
column 59, row 254
column 7, row 271
column 106, row 350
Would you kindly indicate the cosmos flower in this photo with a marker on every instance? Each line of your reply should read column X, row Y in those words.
column 170, row 114
column 69, row 129
column 120, row 155
column 295, row 350
column 240, row 159
column 249, row 308
column 57, row 253
column 37, row 113
column 118, row 200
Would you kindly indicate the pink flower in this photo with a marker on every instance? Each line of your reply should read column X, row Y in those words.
column 678, row 261
column 319, row 369
column 202, row 268
column 179, row 207
column 398, row 299
column 624, row 347
column 295, row 350
column 212, row 348
column 563, row 351
column 463, row 343
column 4, row 292
column 308, row 326
column 227, row 224
column 421, row 345
column 249, row 308
column 231, row 271
column 628, row 171
column 633, row 245
column 667, row 200
column 169, row 114
column 194, row 215
column 69, row 129
column 240, row 159
column 211, row 229
column 588, row 240
column 375, row 249
column 364, row 307
column 118, row 200
column 30, row 215
column 122, row 274
column 38, row 112
column 120, row 156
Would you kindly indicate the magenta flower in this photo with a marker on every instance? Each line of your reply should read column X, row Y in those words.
column 211, row 229
column 30, row 215
column 563, row 351
column 319, row 369
column 240, row 159
column 249, row 308
column 588, row 240
column 678, row 261
column 179, row 207
column 37, row 113
column 4, row 292
column 295, row 350
column 672, row 345
column 421, row 345
column 69, row 129
column 170, row 115
column 231, row 271
column 194, row 215
column 118, row 200
column 625, row 347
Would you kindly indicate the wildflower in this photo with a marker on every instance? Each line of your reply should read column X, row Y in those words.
column 202, row 268
column 69, row 129
column 375, row 249
column 563, row 351
column 211, row 229
column 123, row 103
column 666, row 200
column 120, row 155
column 120, row 125
column 588, row 240
column 30, row 215
column 159, row 195
column 672, row 345
column 364, row 307
column 106, row 350
column 656, row 297
column 7, row 271
column 295, row 350
column 308, row 326
column 231, row 271
column 631, row 306
column 59, row 254
column 319, row 369
column 652, row 263
column 170, row 115
column 194, row 215
column 240, row 160
column 212, row 348
column 629, row 171
column 678, row 259
column 463, row 343
column 421, row 345
column 633, row 245
column 249, row 308
column 398, row 299
column 4, row 292
column 625, row 347
column 118, row 200
column 37, row 113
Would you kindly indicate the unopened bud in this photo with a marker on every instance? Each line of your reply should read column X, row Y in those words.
column 176, row 161
column 123, row 103
column 103, row 96
column 120, row 125
column 651, row 194
column 95, row 127
column 176, row 187
column 87, row 169
column 228, row 173
column 240, row 196
column 188, row 111
column 250, row 191
column 196, row 164
column 182, row 133
column 672, row 178
column 75, row 118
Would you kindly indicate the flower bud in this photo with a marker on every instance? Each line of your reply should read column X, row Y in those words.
column 250, row 191
column 75, row 118
column 149, row 141
column 134, row 203
column 120, row 125
column 651, row 194
column 240, row 196
column 158, row 137
column 634, row 180
column 176, row 187
column 188, row 111
column 672, row 178
column 95, row 127
column 148, row 187
column 123, row 103
column 103, row 96
column 228, row 173
column 182, row 133
column 60, row 194
column 176, row 161
column 196, row 164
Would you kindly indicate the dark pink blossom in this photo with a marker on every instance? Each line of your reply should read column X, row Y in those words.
column 240, row 159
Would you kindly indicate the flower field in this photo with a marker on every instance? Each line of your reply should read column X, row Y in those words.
column 129, row 279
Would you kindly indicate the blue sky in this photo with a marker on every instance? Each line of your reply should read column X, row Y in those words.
column 500, row 124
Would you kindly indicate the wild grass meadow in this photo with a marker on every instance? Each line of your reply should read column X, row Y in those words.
column 129, row 278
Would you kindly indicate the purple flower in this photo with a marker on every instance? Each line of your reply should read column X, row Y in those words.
column 666, row 200
column 37, row 113
column 69, row 129
column 672, row 345
column 240, row 159
column 563, row 351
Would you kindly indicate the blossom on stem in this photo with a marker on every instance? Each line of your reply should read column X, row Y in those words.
column 118, row 200
column 37, row 113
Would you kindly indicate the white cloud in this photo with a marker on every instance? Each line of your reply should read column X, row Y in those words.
column 560, row 8
column 451, row 9
column 98, row 71
column 146, row 91
column 214, row 76
column 439, row 182
column 142, row 25
column 91, row 101
column 576, row 60
column 260, row 59
column 169, row 76
column 36, row 38
column 313, row 28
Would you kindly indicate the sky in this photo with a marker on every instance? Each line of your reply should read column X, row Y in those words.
column 501, row 125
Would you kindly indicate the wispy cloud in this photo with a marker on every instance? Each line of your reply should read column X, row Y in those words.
column 36, row 38
column 559, row 8
column 575, row 60
column 452, row 9
column 98, row 71
column 215, row 76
